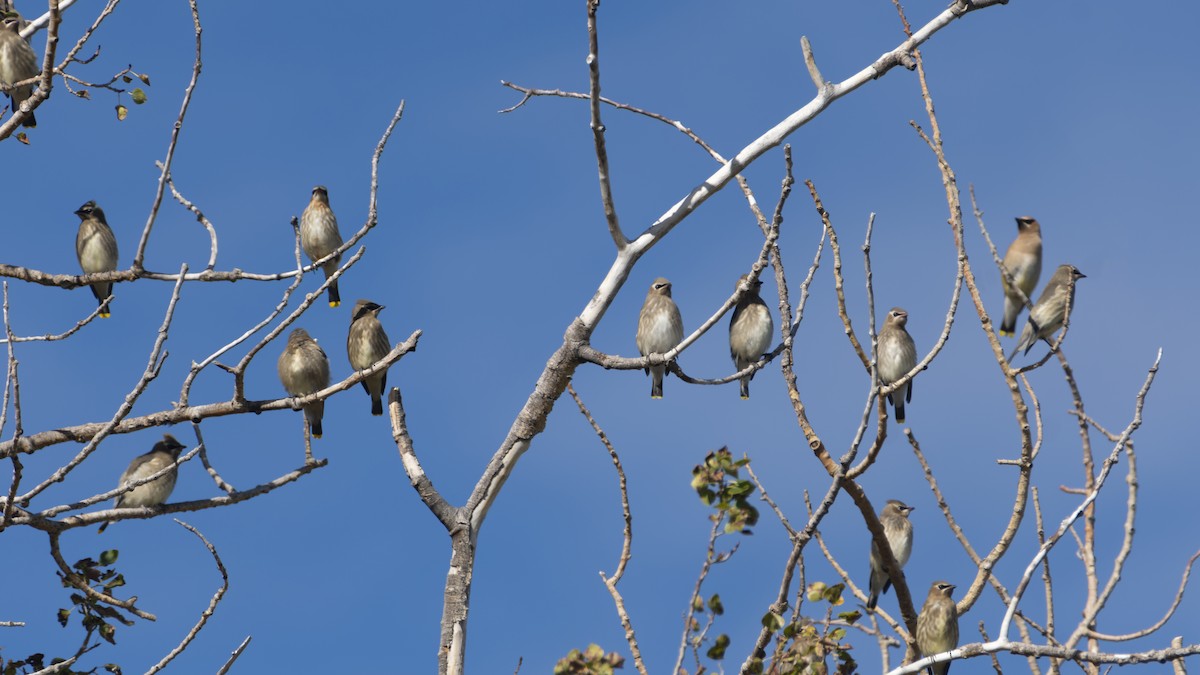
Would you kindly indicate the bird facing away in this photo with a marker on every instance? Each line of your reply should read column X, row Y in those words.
column 367, row 344
column 304, row 369
column 660, row 328
column 96, row 248
column 163, row 454
column 319, row 236
column 937, row 625
column 17, row 62
column 1023, row 260
column 749, row 331
column 899, row 532
column 1048, row 313
column 897, row 356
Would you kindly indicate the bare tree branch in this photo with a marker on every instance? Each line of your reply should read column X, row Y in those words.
column 208, row 611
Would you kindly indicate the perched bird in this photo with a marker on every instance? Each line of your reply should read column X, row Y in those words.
column 366, row 344
column 17, row 62
column 749, row 330
column 319, row 236
column 304, row 369
column 163, row 454
column 899, row 531
column 1048, row 313
column 1023, row 260
column 937, row 625
column 897, row 356
column 96, row 248
column 660, row 328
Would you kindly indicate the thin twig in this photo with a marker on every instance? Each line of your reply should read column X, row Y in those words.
column 234, row 656
column 208, row 611
column 606, row 195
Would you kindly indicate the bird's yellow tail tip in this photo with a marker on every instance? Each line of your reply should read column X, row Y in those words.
column 334, row 303
column 105, row 315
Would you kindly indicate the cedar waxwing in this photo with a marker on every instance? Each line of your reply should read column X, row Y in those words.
column 1047, row 314
column 17, row 62
column 897, row 356
column 750, row 331
column 937, row 625
column 304, row 369
column 899, row 531
column 96, row 248
column 319, row 236
column 366, row 344
column 1023, row 260
column 660, row 328
column 163, row 454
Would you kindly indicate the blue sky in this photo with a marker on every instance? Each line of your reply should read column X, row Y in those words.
column 491, row 238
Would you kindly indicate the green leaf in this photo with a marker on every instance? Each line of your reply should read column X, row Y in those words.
column 772, row 621
column 122, row 113
column 714, row 603
column 740, row 487
column 717, row 651
column 594, row 652
column 109, row 557
column 63, row 616
column 138, row 96
column 834, row 594
column 850, row 617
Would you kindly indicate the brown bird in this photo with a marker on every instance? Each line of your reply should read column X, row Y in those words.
column 660, row 329
column 366, row 344
column 17, row 62
column 1023, row 260
column 163, row 454
column 897, row 356
column 937, row 625
column 303, row 370
column 750, row 331
column 96, row 249
column 899, row 532
column 1049, row 312
column 319, row 237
